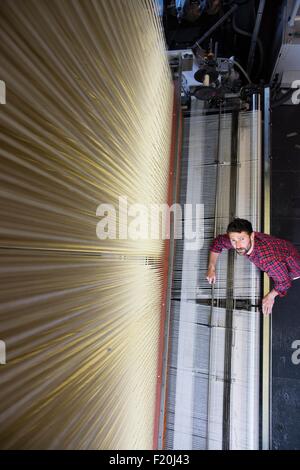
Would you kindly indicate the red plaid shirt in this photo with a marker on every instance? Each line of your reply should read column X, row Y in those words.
column 278, row 258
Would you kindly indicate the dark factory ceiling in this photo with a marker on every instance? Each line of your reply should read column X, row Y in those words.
column 186, row 25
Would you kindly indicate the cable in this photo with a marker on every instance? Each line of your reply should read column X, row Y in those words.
column 241, row 69
column 259, row 43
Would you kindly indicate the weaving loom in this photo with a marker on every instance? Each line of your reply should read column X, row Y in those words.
column 213, row 392
column 103, row 350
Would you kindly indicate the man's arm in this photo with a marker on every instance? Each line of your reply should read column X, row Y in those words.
column 211, row 270
column 282, row 282
column 220, row 243
column 268, row 302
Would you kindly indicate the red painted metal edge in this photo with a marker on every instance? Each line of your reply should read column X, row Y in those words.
column 174, row 138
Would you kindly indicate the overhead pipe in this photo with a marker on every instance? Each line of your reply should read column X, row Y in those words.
column 255, row 33
column 215, row 26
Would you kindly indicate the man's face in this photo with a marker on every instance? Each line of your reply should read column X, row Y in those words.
column 241, row 241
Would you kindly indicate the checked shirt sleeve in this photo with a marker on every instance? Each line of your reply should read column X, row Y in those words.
column 220, row 243
column 280, row 276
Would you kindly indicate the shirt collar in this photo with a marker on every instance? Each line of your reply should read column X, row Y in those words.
column 253, row 248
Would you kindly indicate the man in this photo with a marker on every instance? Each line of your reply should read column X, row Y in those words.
column 277, row 257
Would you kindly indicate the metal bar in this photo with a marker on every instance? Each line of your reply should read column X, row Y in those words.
column 257, row 177
column 293, row 16
column 216, row 196
column 217, row 162
column 266, row 327
column 255, row 35
column 255, row 210
column 215, row 26
column 230, row 288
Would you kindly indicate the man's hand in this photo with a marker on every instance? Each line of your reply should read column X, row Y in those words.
column 211, row 275
column 268, row 302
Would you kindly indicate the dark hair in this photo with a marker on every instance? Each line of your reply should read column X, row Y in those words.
column 240, row 225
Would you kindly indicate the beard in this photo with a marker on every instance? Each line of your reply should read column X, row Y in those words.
column 243, row 251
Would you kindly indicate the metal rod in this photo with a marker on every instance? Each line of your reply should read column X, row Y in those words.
column 215, row 26
column 216, row 198
column 216, row 50
column 255, row 319
column 266, row 327
column 292, row 18
column 217, row 162
column 255, row 35
column 230, row 288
